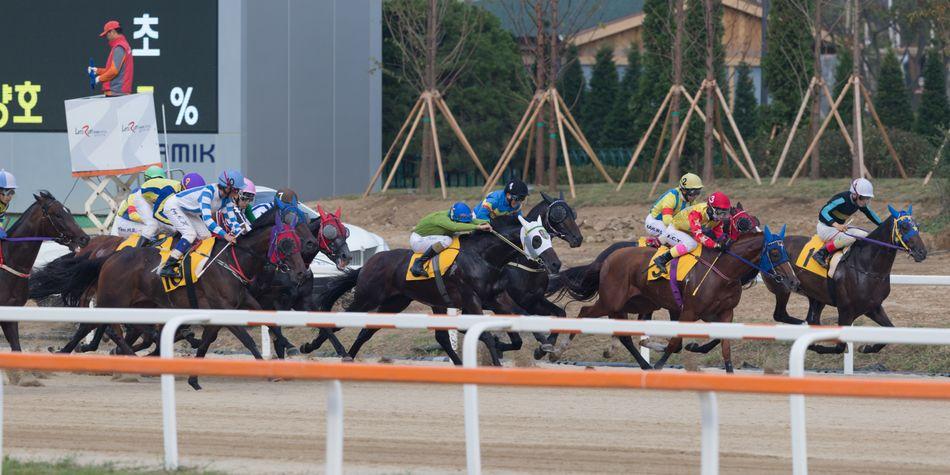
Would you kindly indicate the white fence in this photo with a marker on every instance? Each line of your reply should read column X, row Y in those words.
column 802, row 336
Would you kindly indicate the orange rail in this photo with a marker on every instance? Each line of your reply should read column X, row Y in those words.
column 675, row 381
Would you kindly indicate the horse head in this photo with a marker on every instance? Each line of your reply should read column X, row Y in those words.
column 906, row 234
column 536, row 242
column 559, row 219
column 774, row 260
column 332, row 235
column 56, row 221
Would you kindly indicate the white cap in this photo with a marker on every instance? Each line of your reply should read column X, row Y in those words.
column 862, row 187
column 7, row 180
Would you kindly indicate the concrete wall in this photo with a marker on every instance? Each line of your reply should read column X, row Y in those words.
column 299, row 99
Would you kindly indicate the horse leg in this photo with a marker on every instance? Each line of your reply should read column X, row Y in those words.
column 96, row 339
column 628, row 343
column 880, row 317
column 442, row 337
column 491, row 342
column 515, row 343
column 546, row 307
column 208, row 336
column 281, row 344
column 727, row 356
column 780, row 314
column 814, row 312
column 704, row 348
column 326, row 334
column 362, row 338
column 121, row 346
column 11, row 330
column 245, row 338
column 84, row 329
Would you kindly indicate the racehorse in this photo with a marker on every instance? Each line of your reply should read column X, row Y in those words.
column 862, row 279
column 45, row 220
column 709, row 292
column 471, row 284
column 223, row 286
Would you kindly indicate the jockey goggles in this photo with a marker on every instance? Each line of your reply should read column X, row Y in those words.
column 7, row 192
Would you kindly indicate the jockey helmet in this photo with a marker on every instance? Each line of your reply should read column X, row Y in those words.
column 719, row 205
column 154, row 172
column 231, row 179
column 690, row 181
column 516, row 188
column 192, row 180
column 460, row 213
column 7, row 180
column 249, row 189
column 862, row 188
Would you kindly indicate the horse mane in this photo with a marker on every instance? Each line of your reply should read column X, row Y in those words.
column 536, row 210
column 42, row 196
column 266, row 220
column 505, row 223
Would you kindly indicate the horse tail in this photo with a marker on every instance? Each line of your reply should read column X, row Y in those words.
column 582, row 282
column 336, row 288
column 68, row 276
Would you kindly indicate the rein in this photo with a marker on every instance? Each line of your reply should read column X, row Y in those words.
column 514, row 246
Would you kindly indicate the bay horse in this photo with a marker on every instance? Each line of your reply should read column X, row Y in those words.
column 710, row 291
column 45, row 220
column 127, row 278
column 471, row 284
column 861, row 282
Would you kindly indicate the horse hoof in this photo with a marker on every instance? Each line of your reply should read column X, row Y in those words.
column 193, row 382
column 293, row 351
column 606, row 353
column 547, row 348
column 51, row 349
column 867, row 349
column 347, row 359
column 729, row 368
column 654, row 345
column 538, row 354
column 692, row 347
column 305, row 349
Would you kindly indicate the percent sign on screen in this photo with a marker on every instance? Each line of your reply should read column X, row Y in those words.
column 186, row 111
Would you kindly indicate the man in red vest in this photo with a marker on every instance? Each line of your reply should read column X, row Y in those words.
column 116, row 77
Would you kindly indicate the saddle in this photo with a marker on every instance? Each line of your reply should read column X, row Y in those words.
column 444, row 260
column 192, row 262
column 805, row 261
column 685, row 264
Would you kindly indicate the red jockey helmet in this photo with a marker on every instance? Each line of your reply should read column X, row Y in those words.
column 719, row 200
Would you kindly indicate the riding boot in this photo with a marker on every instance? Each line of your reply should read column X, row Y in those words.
column 822, row 257
column 146, row 242
column 662, row 260
column 418, row 267
column 170, row 269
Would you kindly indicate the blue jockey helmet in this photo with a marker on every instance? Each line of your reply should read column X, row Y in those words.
column 231, row 179
column 461, row 213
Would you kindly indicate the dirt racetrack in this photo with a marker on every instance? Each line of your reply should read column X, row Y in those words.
column 266, row 427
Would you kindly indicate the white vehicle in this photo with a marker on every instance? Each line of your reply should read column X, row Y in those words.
column 362, row 243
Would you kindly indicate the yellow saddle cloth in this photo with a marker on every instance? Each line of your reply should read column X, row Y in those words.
column 685, row 264
column 805, row 261
column 195, row 260
column 446, row 259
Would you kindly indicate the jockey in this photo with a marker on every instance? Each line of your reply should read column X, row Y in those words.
column 192, row 211
column 7, row 190
column 672, row 202
column 138, row 213
column 434, row 233
column 832, row 228
column 505, row 201
column 244, row 209
column 690, row 227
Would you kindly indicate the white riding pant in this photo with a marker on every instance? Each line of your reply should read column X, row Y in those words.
column 654, row 227
column 126, row 227
column 190, row 225
column 841, row 240
column 146, row 214
column 673, row 237
column 422, row 243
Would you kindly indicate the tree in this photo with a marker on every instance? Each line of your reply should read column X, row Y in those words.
column 603, row 92
column 787, row 66
column 620, row 130
column 694, row 71
column 744, row 104
column 657, row 56
column 891, row 100
column 842, row 76
column 572, row 85
column 934, row 114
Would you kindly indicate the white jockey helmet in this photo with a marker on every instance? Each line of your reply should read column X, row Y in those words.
column 862, row 187
column 7, row 181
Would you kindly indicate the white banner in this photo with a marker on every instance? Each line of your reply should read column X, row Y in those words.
column 112, row 135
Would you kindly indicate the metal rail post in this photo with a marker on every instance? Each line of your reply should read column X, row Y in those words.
column 796, row 369
column 169, row 418
column 473, row 449
column 334, row 428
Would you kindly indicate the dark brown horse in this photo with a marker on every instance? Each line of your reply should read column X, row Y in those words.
column 710, row 291
column 471, row 284
column 861, row 282
column 45, row 219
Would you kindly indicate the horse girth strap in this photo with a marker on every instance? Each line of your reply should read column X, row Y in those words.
column 439, row 283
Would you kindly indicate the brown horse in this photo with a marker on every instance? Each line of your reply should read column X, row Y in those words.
column 710, row 291
column 861, row 282
column 45, row 219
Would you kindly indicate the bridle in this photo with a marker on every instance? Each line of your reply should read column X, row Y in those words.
column 63, row 238
column 558, row 211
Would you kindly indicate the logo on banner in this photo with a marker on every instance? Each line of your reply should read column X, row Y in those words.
column 134, row 128
column 90, row 132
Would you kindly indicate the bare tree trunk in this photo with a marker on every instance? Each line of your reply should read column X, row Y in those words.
column 710, row 103
column 552, row 83
column 677, row 81
column 816, row 97
column 539, row 66
column 426, row 177
column 856, row 72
